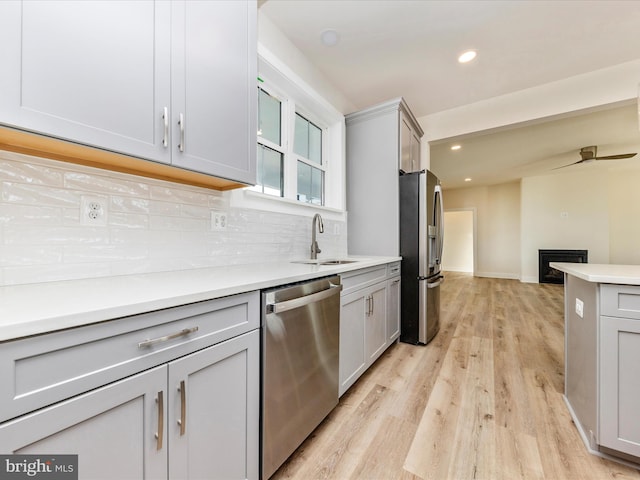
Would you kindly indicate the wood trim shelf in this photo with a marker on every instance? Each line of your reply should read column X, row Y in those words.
column 41, row 146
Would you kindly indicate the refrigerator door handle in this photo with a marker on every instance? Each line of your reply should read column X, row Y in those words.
column 437, row 283
column 439, row 222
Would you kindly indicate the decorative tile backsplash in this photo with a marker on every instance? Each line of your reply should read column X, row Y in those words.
column 151, row 225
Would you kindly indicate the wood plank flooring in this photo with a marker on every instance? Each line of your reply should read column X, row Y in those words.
column 482, row 401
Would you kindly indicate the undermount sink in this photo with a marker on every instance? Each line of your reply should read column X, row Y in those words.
column 335, row 262
column 325, row 262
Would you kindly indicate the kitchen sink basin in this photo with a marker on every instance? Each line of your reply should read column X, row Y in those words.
column 335, row 262
column 325, row 262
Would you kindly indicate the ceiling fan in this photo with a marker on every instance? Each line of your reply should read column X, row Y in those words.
column 590, row 154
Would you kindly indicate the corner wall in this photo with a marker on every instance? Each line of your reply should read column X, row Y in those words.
column 498, row 226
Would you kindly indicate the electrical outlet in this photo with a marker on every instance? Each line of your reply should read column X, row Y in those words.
column 93, row 210
column 579, row 308
column 218, row 221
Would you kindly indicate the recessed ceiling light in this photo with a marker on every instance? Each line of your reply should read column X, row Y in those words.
column 467, row 179
column 456, row 147
column 329, row 37
column 467, row 56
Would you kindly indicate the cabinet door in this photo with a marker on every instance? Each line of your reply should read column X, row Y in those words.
column 112, row 429
column 376, row 322
column 353, row 309
column 393, row 309
column 619, row 384
column 406, row 135
column 415, row 152
column 214, row 87
column 95, row 72
column 213, row 421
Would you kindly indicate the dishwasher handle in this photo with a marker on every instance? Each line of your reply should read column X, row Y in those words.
column 302, row 301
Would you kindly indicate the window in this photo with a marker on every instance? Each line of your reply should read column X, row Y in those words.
column 300, row 147
column 270, row 161
column 289, row 166
column 307, row 146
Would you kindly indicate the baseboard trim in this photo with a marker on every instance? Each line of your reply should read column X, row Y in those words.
column 509, row 276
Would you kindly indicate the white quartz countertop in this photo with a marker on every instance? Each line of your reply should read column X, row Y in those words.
column 601, row 273
column 44, row 307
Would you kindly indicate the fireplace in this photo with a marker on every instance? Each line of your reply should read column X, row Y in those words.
column 546, row 274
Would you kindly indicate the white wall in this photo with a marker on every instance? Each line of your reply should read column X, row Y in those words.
column 567, row 211
column 624, row 215
column 276, row 42
column 498, row 226
column 458, row 241
column 592, row 207
column 616, row 84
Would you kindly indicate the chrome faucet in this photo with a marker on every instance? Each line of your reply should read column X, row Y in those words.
column 315, row 249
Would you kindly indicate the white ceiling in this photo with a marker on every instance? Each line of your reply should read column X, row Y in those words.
column 409, row 48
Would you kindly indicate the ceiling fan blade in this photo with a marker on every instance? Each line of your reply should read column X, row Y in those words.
column 565, row 166
column 617, row 157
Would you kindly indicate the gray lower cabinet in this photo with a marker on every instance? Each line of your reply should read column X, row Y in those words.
column 111, row 429
column 352, row 351
column 172, row 82
column 375, row 329
column 368, row 322
column 214, row 412
column 393, row 308
column 619, row 360
column 184, row 405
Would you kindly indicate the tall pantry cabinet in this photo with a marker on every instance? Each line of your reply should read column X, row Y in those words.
column 380, row 141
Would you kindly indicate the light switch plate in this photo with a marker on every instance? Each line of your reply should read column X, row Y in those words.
column 579, row 308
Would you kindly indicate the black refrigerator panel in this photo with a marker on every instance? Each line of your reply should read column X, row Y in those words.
column 421, row 229
column 410, row 253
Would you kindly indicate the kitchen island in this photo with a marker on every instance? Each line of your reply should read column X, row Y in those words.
column 602, row 354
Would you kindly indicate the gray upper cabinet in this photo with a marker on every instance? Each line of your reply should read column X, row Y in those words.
column 410, row 134
column 214, row 73
column 173, row 82
column 96, row 73
column 380, row 141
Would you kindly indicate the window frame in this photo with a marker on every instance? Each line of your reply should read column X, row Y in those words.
column 277, row 78
column 282, row 148
column 288, row 111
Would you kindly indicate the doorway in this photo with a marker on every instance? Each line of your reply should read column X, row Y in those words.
column 459, row 241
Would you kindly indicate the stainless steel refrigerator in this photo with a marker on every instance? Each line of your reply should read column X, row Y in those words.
column 421, row 243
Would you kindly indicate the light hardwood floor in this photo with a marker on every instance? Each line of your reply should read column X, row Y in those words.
column 482, row 401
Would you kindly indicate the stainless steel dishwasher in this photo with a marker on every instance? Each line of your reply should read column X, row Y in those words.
column 300, row 347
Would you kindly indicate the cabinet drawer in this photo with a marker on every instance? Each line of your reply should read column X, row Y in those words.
column 352, row 281
column 620, row 300
column 393, row 269
column 44, row 369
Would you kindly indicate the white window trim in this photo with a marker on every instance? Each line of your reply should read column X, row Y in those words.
column 279, row 78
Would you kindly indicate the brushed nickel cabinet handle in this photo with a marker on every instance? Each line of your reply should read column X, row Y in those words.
column 166, row 338
column 183, row 408
column 165, row 119
column 181, row 123
column 160, row 433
